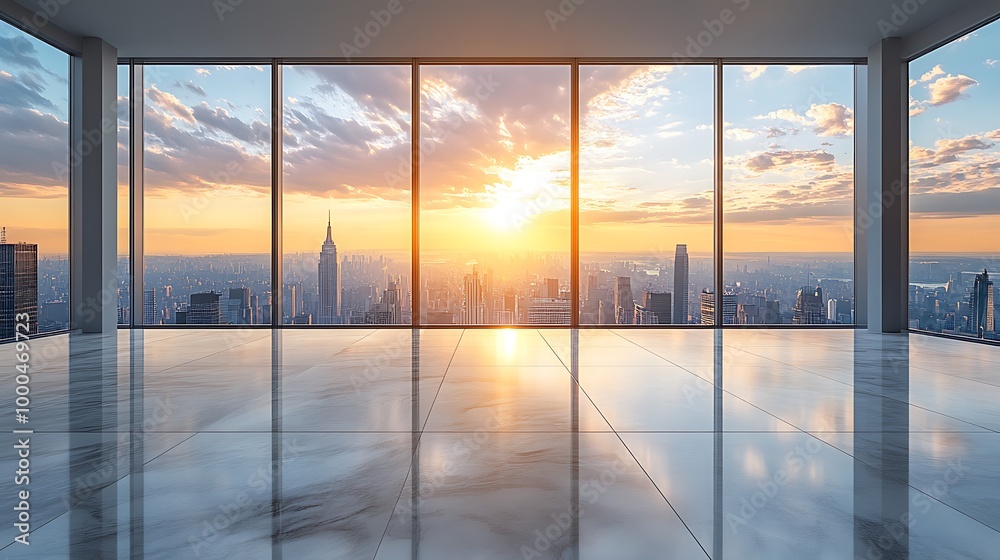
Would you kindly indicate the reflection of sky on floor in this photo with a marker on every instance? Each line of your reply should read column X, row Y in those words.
column 597, row 443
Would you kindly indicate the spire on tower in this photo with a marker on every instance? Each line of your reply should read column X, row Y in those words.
column 329, row 227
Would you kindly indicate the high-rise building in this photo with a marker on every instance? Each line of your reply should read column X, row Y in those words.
column 624, row 303
column 239, row 310
column 981, row 312
column 389, row 310
column 293, row 296
column 681, row 285
column 508, row 312
column 549, row 311
column 329, row 280
column 708, row 308
column 747, row 314
column 149, row 307
column 809, row 308
column 473, row 308
column 659, row 304
column 551, row 288
column 204, row 309
column 839, row 311
column 18, row 286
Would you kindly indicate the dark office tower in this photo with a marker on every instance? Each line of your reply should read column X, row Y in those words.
column 681, row 275
column 593, row 294
column 772, row 313
column 659, row 304
column 624, row 303
column 981, row 313
column 551, row 288
column 18, row 286
column 809, row 309
column 509, row 308
column 329, row 280
column 708, row 308
column 238, row 308
column 473, row 310
column 149, row 307
column 204, row 309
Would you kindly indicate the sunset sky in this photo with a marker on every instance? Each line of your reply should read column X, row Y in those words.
column 955, row 146
column 495, row 155
column 34, row 116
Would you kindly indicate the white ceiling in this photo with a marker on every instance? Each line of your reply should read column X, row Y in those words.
column 487, row 28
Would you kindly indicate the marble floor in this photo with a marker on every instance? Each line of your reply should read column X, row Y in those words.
column 494, row 444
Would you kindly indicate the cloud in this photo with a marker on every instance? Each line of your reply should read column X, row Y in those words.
column 739, row 134
column 18, row 92
column 753, row 72
column 772, row 160
column 192, row 87
column 220, row 120
column 19, row 51
column 170, row 104
column 932, row 73
column 949, row 88
column 991, row 62
column 830, row 119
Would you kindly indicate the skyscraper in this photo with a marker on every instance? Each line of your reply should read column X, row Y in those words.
column 149, row 307
column 809, row 308
column 473, row 309
column 204, row 309
column 659, row 304
column 624, row 303
column 981, row 313
column 329, row 280
column 551, row 288
column 18, row 286
column 681, row 276
column 239, row 311
column 708, row 308
column 549, row 311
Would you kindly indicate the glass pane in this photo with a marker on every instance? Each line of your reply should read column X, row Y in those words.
column 34, row 184
column 347, row 202
column 494, row 225
column 955, row 186
column 788, row 194
column 207, row 195
column 124, row 166
column 646, row 193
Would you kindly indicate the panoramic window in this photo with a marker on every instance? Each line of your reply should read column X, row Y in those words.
column 788, row 195
column 954, row 190
column 34, row 183
column 494, row 195
column 646, row 193
column 207, row 195
column 347, row 198
column 124, row 200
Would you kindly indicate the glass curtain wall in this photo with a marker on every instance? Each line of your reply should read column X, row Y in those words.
column 647, row 196
column 346, row 195
column 788, row 195
column 494, row 233
column 954, row 186
column 34, row 184
column 207, row 207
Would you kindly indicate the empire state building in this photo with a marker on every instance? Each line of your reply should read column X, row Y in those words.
column 329, row 281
